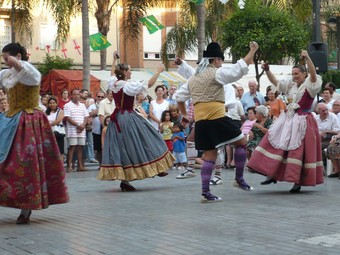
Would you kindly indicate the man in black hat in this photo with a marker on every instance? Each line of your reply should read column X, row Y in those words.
column 212, row 128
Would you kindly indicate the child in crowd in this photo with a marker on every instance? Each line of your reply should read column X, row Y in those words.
column 178, row 141
column 176, row 117
column 3, row 104
column 166, row 129
column 106, row 123
column 248, row 124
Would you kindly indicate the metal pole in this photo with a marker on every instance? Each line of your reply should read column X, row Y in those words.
column 316, row 21
column 338, row 40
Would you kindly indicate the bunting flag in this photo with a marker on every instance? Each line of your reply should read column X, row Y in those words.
column 76, row 47
column 99, row 42
column 63, row 49
column 48, row 49
column 197, row 1
column 151, row 23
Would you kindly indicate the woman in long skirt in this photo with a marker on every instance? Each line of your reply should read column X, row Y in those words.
column 133, row 149
column 32, row 177
column 291, row 149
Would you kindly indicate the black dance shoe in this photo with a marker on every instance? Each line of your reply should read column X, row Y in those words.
column 333, row 175
column 126, row 187
column 21, row 220
column 266, row 182
column 295, row 189
column 163, row 174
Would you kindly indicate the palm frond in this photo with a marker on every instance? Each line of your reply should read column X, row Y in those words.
column 63, row 11
column 180, row 40
column 23, row 20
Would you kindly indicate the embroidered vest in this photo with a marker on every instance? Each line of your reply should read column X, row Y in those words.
column 23, row 98
column 204, row 87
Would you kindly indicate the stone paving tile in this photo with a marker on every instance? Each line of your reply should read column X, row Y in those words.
column 164, row 217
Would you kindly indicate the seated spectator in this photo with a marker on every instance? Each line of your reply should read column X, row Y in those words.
column 336, row 109
column 327, row 99
column 248, row 124
column 333, row 153
column 328, row 126
column 332, row 89
column 327, row 123
column 259, row 129
column 240, row 92
column 252, row 97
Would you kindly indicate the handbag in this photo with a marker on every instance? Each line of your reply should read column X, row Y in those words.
column 59, row 129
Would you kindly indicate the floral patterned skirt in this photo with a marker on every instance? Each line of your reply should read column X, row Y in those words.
column 333, row 150
column 33, row 174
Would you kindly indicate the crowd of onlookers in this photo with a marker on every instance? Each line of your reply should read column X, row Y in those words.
column 85, row 117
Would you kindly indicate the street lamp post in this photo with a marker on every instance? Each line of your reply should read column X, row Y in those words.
column 338, row 41
column 336, row 22
column 316, row 21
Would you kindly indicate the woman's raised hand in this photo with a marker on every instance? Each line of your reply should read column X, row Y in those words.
column 160, row 68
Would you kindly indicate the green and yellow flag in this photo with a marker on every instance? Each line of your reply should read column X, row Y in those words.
column 99, row 42
column 151, row 23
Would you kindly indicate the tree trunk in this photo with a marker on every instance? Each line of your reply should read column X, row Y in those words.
column 103, row 16
column 103, row 55
column 200, row 29
column 86, row 45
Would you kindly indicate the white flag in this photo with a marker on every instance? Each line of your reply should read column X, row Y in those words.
column 224, row 1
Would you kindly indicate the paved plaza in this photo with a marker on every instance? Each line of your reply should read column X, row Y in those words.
column 164, row 216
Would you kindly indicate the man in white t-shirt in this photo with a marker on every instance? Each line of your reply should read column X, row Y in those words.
column 76, row 115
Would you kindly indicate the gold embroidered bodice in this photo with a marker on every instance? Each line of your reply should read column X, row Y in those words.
column 23, row 98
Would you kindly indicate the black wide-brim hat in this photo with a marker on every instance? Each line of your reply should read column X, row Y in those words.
column 213, row 51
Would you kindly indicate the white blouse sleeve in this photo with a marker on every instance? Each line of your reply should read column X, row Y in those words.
column 28, row 75
column 229, row 74
column 133, row 88
column 111, row 82
column 183, row 93
column 229, row 95
column 313, row 88
column 186, row 70
column 283, row 86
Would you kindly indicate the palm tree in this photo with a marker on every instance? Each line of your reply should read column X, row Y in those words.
column 103, row 16
column 300, row 8
column 196, row 27
column 86, row 45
